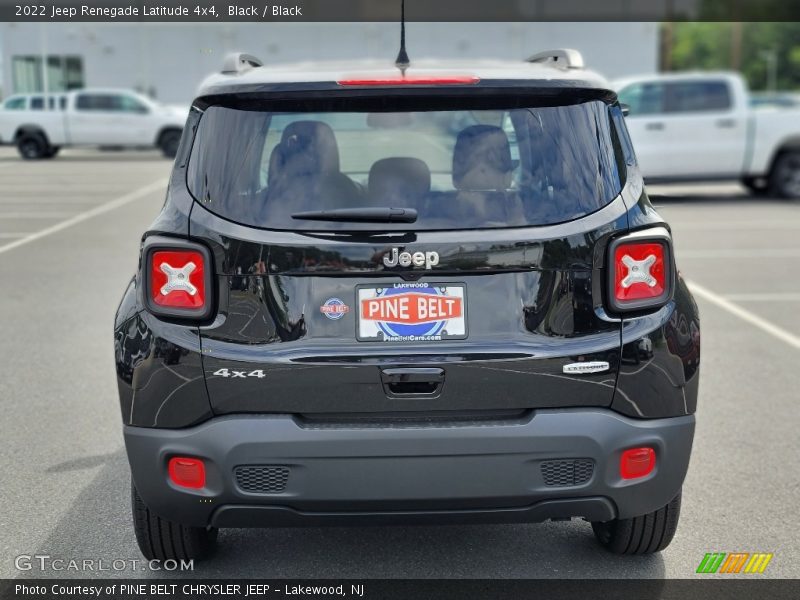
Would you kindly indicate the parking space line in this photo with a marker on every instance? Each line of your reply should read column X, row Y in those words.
column 740, row 253
column 729, row 225
column 765, row 297
column 745, row 315
column 35, row 215
column 80, row 217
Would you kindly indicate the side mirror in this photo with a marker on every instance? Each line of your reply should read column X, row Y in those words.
column 626, row 109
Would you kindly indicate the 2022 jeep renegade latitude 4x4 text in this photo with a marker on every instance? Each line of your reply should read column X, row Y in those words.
column 424, row 295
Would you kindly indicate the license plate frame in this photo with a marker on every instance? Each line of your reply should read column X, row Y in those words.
column 418, row 293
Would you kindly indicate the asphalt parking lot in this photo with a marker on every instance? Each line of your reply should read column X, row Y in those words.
column 69, row 234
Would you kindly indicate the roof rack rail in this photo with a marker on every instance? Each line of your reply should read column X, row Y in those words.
column 562, row 58
column 237, row 63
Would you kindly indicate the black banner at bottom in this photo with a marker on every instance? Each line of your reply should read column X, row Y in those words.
column 405, row 589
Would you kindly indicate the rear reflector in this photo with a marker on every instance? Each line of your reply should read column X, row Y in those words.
column 412, row 80
column 637, row 462
column 187, row 472
column 641, row 272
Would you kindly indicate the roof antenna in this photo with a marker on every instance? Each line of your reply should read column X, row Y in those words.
column 402, row 62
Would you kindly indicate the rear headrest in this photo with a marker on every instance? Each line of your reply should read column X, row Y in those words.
column 398, row 181
column 482, row 159
column 306, row 148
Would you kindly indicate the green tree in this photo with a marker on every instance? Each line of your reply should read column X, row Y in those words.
column 722, row 45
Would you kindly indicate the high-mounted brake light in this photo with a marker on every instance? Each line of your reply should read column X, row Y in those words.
column 177, row 278
column 400, row 80
column 641, row 271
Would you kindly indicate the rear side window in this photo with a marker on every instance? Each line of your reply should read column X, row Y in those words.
column 17, row 103
column 643, row 98
column 459, row 169
column 698, row 96
column 37, row 103
column 95, row 102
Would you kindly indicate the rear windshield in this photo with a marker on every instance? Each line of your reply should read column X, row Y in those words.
column 459, row 169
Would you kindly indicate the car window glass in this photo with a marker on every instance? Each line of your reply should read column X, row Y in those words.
column 643, row 98
column 698, row 96
column 37, row 103
column 17, row 103
column 459, row 169
column 132, row 105
column 104, row 102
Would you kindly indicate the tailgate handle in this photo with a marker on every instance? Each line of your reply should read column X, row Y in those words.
column 412, row 380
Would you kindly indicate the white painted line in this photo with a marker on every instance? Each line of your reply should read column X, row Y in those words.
column 728, row 225
column 84, row 216
column 740, row 253
column 765, row 297
column 745, row 315
column 35, row 215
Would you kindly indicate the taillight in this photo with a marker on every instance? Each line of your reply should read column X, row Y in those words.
column 177, row 279
column 641, row 271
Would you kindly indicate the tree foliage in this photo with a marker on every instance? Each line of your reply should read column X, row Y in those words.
column 709, row 45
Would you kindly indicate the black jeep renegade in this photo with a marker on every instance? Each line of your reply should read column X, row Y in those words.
column 429, row 294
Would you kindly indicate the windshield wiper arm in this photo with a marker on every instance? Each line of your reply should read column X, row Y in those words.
column 377, row 214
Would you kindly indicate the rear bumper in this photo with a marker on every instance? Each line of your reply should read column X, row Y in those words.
column 484, row 472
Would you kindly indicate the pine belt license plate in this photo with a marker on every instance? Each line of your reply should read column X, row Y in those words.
column 411, row 312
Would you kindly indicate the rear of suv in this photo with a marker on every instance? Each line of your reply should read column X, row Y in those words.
column 429, row 295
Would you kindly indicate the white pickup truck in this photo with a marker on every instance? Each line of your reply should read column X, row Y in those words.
column 701, row 126
column 39, row 125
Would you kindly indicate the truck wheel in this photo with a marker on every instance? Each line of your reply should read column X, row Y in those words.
column 169, row 143
column 32, row 146
column 640, row 535
column 161, row 539
column 52, row 151
column 784, row 180
column 757, row 186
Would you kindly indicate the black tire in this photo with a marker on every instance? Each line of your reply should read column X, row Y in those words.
column 758, row 186
column 32, row 146
column 161, row 539
column 784, row 179
column 640, row 535
column 52, row 151
column 169, row 142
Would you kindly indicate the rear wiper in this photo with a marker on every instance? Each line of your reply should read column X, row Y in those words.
column 376, row 214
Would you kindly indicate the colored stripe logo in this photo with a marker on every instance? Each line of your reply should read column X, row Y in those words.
column 734, row 562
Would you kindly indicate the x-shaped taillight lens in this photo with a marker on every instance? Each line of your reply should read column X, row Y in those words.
column 177, row 279
column 641, row 273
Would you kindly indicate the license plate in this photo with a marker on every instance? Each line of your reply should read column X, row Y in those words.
column 411, row 312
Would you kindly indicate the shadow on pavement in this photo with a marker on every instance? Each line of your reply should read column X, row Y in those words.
column 98, row 526
column 90, row 157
